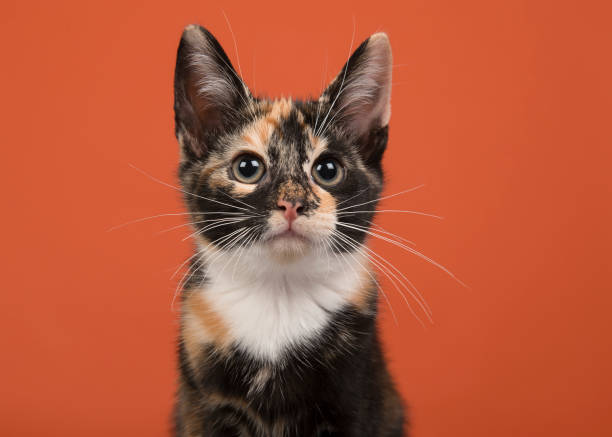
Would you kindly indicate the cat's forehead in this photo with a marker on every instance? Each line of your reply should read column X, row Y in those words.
column 281, row 131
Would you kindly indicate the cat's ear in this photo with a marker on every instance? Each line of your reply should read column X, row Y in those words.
column 361, row 96
column 208, row 93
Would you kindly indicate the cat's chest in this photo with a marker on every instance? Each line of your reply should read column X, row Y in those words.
column 264, row 310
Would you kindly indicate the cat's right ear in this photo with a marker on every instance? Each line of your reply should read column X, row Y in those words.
column 208, row 93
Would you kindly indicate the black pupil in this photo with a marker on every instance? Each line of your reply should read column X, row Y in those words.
column 248, row 167
column 327, row 170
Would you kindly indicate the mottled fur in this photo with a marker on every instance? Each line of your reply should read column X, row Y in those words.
column 265, row 349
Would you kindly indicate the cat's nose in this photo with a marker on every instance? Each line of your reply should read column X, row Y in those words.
column 291, row 210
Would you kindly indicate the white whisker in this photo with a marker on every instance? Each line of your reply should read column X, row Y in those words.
column 417, row 253
column 322, row 90
column 418, row 297
column 234, row 39
column 142, row 219
column 352, row 197
column 153, row 178
column 344, row 213
column 178, row 269
column 244, row 247
column 383, row 198
column 236, row 241
column 337, row 234
column 343, row 78
column 198, row 222
column 213, row 226
column 189, row 274
column 238, row 200
column 380, row 229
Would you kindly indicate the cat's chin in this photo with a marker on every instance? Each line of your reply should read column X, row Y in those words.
column 288, row 246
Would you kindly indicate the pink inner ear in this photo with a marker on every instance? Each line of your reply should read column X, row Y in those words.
column 210, row 92
column 364, row 102
column 204, row 106
column 208, row 89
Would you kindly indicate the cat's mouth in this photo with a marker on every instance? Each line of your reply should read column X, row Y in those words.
column 288, row 235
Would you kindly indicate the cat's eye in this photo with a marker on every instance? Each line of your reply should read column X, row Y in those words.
column 327, row 172
column 248, row 168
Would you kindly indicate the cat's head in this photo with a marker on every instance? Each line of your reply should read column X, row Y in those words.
column 286, row 177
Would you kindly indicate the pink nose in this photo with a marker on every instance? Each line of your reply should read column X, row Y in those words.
column 291, row 209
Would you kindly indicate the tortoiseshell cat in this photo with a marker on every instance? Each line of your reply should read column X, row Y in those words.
column 278, row 330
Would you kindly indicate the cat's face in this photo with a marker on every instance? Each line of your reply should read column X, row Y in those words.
column 288, row 178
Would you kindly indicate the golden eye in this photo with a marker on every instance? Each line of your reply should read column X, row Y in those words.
column 327, row 172
column 248, row 168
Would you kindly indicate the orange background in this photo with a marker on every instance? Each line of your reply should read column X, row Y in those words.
column 501, row 108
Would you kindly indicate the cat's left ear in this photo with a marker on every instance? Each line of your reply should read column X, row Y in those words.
column 361, row 96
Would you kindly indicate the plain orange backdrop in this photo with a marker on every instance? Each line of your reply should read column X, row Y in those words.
column 501, row 108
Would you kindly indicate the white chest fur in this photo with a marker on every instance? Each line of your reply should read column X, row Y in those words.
column 268, row 306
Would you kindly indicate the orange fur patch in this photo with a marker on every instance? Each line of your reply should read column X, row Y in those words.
column 318, row 144
column 291, row 190
column 257, row 135
column 327, row 203
column 281, row 108
column 278, row 110
column 361, row 298
column 242, row 190
column 202, row 325
column 209, row 175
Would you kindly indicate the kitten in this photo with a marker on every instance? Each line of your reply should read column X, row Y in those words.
column 278, row 333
